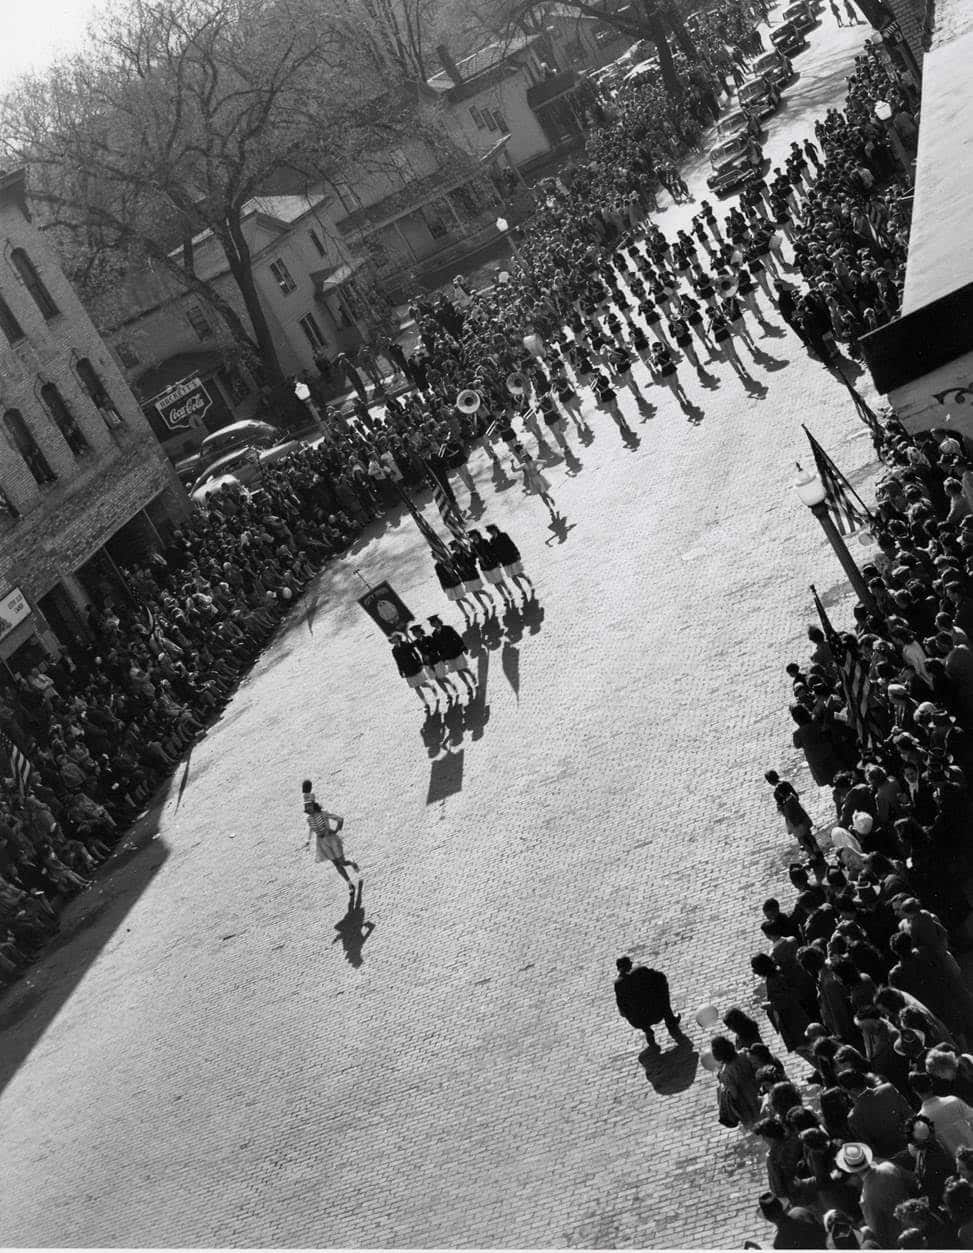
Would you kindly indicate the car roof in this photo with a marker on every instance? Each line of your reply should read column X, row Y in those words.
column 246, row 427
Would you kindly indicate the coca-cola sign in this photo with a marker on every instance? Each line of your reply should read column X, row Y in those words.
column 183, row 402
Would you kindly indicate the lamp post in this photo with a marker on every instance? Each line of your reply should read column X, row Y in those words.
column 883, row 111
column 503, row 226
column 303, row 394
column 814, row 494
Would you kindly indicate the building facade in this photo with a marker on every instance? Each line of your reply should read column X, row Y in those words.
column 83, row 483
column 178, row 354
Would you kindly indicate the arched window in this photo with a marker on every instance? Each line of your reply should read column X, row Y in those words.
column 9, row 324
column 99, row 395
column 64, row 419
column 27, row 446
column 34, row 283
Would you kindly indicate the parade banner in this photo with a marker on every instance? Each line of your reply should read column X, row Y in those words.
column 181, row 403
column 13, row 610
column 385, row 608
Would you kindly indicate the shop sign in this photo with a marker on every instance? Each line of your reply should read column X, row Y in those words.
column 13, row 610
column 182, row 403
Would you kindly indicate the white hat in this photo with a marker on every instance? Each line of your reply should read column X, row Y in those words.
column 854, row 1158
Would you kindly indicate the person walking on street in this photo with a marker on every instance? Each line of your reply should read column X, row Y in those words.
column 323, row 829
column 413, row 669
column 429, row 652
column 535, row 480
column 642, row 996
column 507, row 554
column 451, row 653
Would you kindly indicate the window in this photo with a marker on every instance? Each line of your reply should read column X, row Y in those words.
column 312, row 331
column 318, row 246
column 488, row 118
column 98, row 394
column 199, row 322
column 127, row 355
column 500, row 120
column 9, row 324
column 477, row 116
column 283, row 276
column 8, row 510
column 64, row 419
column 34, row 283
column 28, row 447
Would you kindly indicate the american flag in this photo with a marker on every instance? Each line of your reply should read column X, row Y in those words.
column 848, row 512
column 446, row 503
column 854, row 680
column 19, row 765
column 439, row 549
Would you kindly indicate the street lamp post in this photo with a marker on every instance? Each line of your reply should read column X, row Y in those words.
column 503, row 226
column 813, row 493
column 303, row 393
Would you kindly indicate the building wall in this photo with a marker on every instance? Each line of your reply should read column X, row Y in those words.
column 508, row 97
column 96, row 492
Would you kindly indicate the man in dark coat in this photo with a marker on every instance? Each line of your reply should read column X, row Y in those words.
column 642, row 996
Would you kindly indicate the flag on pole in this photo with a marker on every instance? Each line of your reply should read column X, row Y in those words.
column 864, row 411
column 439, row 549
column 20, row 767
column 446, row 503
column 848, row 511
column 854, row 680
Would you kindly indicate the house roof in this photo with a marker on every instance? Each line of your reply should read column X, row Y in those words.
column 479, row 62
column 412, row 196
column 284, row 209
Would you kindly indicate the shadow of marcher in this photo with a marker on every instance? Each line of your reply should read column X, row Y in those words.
column 434, row 734
column 352, row 929
column 500, row 478
column 571, row 462
column 674, row 1070
column 476, row 508
column 559, row 531
column 513, row 624
column 710, row 381
column 768, row 362
column 532, row 613
column 586, row 437
column 510, row 664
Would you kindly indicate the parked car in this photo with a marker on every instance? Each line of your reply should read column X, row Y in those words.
column 760, row 96
column 246, row 465
column 187, row 469
column 801, row 14
column 649, row 66
column 775, row 66
column 199, row 495
column 734, row 163
column 237, row 435
column 739, row 122
column 788, row 38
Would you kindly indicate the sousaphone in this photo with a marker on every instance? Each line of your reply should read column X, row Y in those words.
column 516, row 383
column 468, row 401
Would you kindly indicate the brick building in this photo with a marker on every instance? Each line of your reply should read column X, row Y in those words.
column 83, row 484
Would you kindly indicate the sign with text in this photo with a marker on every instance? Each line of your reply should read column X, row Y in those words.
column 181, row 403
column 13, row 610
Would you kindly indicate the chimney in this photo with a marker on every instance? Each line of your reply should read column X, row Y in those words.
column 448, row 64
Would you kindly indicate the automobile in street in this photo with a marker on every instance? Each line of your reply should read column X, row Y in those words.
column 734, row 163
column 237, row 435
column 801, row 14
column 775, row 66
column 760, row 96
column 738, row 122
column 649, row 66
column 246, row 465
column 788, row 38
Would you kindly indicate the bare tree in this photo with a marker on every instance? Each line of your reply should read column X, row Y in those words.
column 178, row 115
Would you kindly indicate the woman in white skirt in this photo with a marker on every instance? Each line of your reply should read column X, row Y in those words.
column 490, row 565
column 451, row 581
column 535, row 481
column 464, row 563
column 323, row 829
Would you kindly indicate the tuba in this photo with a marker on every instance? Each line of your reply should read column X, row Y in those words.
column 727, row 285
column 468, row 401
column 516, row 383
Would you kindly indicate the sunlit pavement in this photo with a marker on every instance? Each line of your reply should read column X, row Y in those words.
column 211, row 1061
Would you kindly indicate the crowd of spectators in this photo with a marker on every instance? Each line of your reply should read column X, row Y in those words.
column 873, row 1148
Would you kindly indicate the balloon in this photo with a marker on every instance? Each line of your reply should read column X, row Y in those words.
column 709, row 1062
column 706, row 1016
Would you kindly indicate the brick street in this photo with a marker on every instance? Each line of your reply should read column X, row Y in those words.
column 201, row 1063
